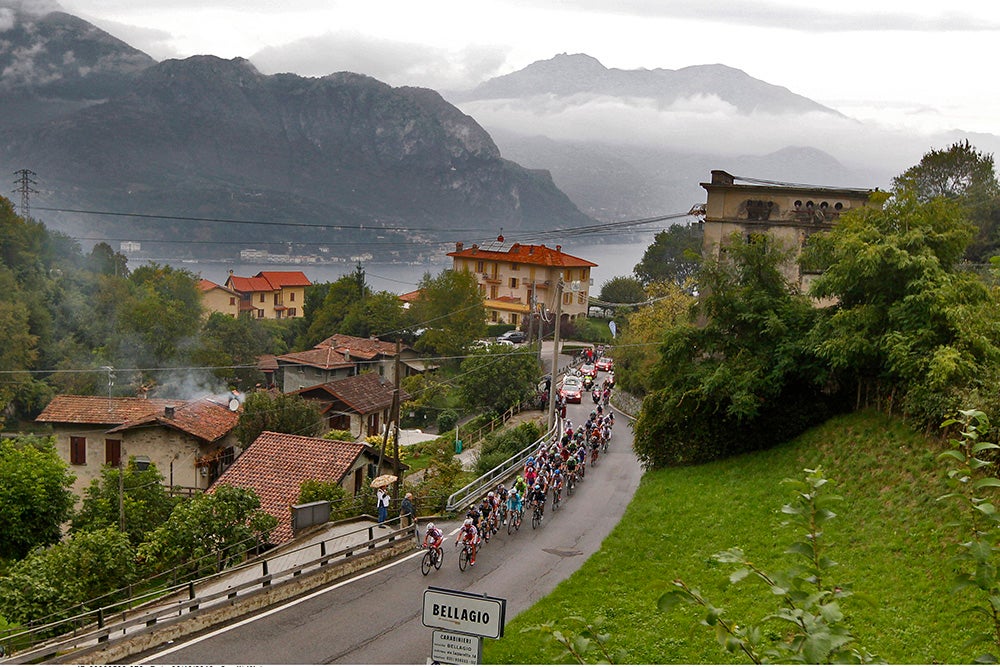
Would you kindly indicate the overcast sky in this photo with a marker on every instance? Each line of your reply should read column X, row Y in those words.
column 925, row 64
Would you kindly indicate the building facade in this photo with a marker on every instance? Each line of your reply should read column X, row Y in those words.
column 218, row 299
column 517, row 279
column 271, row 295
column 786, row 213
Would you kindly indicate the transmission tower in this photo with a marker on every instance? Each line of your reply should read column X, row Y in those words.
column 23, row 185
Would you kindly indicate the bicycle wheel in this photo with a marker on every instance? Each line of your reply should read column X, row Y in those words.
column 511, row 520
column 438, row 557
column 425, row 563
column 463, row 558
column 536, row 519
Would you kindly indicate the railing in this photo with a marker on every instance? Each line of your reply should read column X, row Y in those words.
column 130, row 617
column 483, row 431
column 486, row 482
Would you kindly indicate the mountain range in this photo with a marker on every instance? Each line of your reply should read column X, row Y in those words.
column 203, row 149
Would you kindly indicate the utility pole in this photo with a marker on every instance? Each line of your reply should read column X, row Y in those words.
column 23, row 186
column 555, row 353
column 395, row 421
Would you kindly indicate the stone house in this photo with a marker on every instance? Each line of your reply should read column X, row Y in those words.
column 271, row 295
column 360, row 404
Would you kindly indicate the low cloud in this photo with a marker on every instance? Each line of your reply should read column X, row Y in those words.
column 707, row 125
column 395, row 63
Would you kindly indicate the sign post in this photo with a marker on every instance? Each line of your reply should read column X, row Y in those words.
column 461, row 620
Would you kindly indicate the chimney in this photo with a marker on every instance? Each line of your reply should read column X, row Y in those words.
column 720, row 177
column 558, row 248
column 458, row 246
column 168, row 412
column 347, row 354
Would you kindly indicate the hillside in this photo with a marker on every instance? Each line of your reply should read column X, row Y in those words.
column 891, row 539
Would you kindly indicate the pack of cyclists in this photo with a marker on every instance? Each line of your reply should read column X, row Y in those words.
column 558, row 464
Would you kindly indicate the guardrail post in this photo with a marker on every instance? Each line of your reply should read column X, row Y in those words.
column 322, row 552
column 268, row 582
column 371, row 537
column 191, row 596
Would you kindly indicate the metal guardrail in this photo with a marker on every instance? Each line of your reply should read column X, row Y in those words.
column 184, row 599
column 486, row 482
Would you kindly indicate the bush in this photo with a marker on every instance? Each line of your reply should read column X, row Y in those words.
column 345, row 435
column 501, row 445
column 447, row 420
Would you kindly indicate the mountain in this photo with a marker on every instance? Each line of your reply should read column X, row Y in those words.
column 580, row 74
column 216, row 139
column 636, row 143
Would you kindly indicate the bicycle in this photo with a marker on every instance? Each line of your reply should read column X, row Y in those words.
column 604, row 445
column 571, row 483
column 465, row 556
column 556, row 497
column 432, row 558
column 514, row 521
column 536, row 517
column 593, row 457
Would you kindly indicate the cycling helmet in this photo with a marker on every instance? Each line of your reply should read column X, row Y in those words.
column 468, row 522
column 538, row 487
column 520, row 478
column 531, row 459
column 557, row 472
column 489, row 495
column 430, row 526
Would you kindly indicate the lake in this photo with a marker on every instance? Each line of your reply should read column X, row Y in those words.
column 612, row 259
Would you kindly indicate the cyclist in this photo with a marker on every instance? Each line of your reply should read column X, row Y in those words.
column 514, row 503
column 537, row 499
column 435, row 537
column 468, row 534
column 571, row 468
column 520, row 486
column 485, row 515
column 474, row 515
column 556, row 486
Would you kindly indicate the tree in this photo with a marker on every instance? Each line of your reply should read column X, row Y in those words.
column 208, row 531
column 744, row 380
column 281, row 413
column 233, row 345
column 623, row 290
column 451, row 309
column 340, row 297
column 134, row 496
column 35, row 496
column 909, row 328
column 159, row 321
column 497, row 377
column 104, row 260
column 673, row 256
column 381, row 313
column 20, row 347
column 89, row 570
column 967, row 176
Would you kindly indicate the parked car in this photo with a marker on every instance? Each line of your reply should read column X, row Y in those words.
column 572, row 389
column 604, row 364
column 514, row 336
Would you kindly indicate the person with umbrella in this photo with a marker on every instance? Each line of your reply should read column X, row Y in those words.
column 382, row 500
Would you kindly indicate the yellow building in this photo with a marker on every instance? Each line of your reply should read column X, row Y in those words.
column 218, row 299
column 787, row 213
column 513, row 276
column 271, row 295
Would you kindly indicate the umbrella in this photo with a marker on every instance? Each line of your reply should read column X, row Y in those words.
column 383, row 480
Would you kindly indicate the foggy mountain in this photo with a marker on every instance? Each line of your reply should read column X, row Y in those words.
column 217, row 139
column 636, row 143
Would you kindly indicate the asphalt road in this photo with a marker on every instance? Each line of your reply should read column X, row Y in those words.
column 375, row 618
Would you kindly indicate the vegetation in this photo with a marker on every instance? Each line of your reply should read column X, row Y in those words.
column 451, row 309
column 673, row 256
column 501, row 445
column 890, row 541
column 281, row 413
column 496, row 377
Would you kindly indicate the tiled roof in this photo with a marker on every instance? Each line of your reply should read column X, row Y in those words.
column 204, row 419
column 325, row 358
column 364, row 348
column 267, row 362
column 268, row 281
column 275, row 466
column 365, row 393
column 410, row 297
column 208, row 286
column 518, row 253
column 69, row 409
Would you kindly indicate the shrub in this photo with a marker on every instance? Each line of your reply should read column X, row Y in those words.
column 447, row 420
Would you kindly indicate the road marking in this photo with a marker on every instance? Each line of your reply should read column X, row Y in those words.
column 283, row 607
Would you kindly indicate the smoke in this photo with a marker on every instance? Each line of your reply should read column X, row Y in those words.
column 30, row 7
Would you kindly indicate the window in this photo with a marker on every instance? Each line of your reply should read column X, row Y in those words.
column 260, row 314
column 262, row 297
column 513, row 283
column 232, row 301
column 277, row 301
column 494, row 316
column 113, row 452
column 513, row 319
column 581, row 298
column 493, row 291
column 291, row 296
column 514, row 267
column 291, row 312
column 479, row 267
column 567, row 298
column 77, row 451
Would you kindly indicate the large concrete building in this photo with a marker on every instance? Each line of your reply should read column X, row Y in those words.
column 787, row 213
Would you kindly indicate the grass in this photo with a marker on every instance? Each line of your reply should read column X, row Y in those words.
column 892, row 539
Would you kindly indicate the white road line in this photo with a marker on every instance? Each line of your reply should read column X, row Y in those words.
column 283, row 607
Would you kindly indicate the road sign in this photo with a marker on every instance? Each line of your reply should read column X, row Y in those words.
column 458, row 611
column 455, row 648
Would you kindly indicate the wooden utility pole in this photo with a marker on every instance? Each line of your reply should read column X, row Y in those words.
column 555, row 354
column 395, row 422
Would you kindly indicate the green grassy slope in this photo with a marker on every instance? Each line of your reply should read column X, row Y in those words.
column 892, row 540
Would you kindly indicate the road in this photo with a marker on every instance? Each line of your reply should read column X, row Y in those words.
column 375, row 618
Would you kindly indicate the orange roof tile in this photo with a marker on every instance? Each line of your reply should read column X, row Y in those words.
column 276, row 464
column 365, row 393
column 69, row 409
column 325, row 358
column 204, row 419
column 518, row 253
column 365, row 348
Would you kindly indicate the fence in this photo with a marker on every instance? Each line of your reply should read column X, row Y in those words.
column 255, row 583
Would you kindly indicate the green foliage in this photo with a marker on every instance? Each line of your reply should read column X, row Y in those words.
column 81, row 570
column 381, row 313
column 446, row 420
column 280, row 413
column 339, row 298
column 623, row 290
column 495, row 379
column 451, row 309
column 501, row 445
column 35, row 496
column 442, row 476
column 811, row 628
column 673, row 256
column 976, row 560
column 157, row 321
column 580, row 644
column 233, row 345
column 138, row 497
column 208, row 531
column 345, row 436
column 742, row 379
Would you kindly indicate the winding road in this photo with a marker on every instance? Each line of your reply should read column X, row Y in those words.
column 375, row 617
